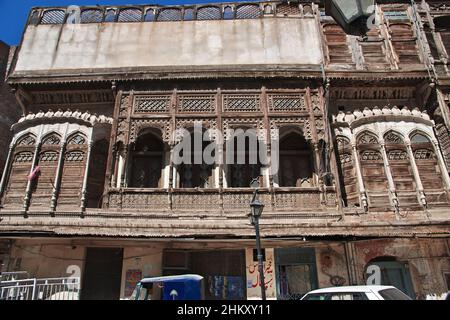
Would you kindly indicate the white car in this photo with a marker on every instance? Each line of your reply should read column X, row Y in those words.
column 357, row 293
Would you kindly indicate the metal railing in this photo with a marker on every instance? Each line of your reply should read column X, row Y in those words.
column 41, row 289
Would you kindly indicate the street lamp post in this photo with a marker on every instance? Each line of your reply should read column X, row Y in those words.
column 256, row 209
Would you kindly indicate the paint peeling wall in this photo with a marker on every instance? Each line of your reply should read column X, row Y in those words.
column 46, row 259
column 331, row 265
column 183, row 43
column 146, row 261
column 428, row 260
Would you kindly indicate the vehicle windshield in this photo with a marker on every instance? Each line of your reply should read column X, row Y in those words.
column 393, row 294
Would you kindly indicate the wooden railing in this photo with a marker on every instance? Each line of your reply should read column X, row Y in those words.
column 218, row 200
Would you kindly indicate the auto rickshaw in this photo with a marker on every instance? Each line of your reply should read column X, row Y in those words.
column 180, row 287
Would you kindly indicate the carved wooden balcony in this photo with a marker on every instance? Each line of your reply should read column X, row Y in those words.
column 228, row 201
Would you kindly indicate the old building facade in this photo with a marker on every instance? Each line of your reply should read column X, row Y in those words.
column 360, row 126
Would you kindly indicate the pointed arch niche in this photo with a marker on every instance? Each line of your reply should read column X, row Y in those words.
column 373, row 170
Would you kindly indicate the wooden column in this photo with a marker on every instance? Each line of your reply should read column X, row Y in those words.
column 268, row 174
column 362, row 190
column 84, row 190
column 220, row 147
column 113, row 155
column 26, row 200
column 387, row 168
column 59, row 169
column 115, row 165
column 419, row 186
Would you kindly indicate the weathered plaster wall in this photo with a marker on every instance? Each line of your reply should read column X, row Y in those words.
column 184, row 43
column 331, row 265
column 46, row 259
column 428, row 260
column 144, row 260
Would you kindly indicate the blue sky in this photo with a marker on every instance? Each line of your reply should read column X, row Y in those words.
column 13, row 13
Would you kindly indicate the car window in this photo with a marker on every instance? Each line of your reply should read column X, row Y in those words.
column 348, row 296
column 315, row 296
column 336, row 296
column 393, row 294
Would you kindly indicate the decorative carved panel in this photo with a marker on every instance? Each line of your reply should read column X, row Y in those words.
column 162, row 124
column 49, row 156
column 51, row 140
column 241, row 102
column 367, row 138
column 76, row 156
column 24, row 156
column 303, row 123
column 195, row 201
column 77, row 139
column 287, row 103
column 151, row 103
column 397, row 155
column 28, row 140
column 370, row 155
column 297, row 200
column 392, row 137
column 196, row 103
column 424, row 154
column 209, row 13
column 169, row 14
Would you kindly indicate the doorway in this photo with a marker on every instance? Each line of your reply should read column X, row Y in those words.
column 394, row 273
column 102, row 274
column 296, row 272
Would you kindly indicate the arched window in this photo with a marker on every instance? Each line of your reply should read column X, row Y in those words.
column 243, row 158
column 442, row 27
column 51, row 139
column 188, row 14
column 73, row 170
column 209, row 13
column 248, row 11
column 130, row 15
column 53, row 17
column 288, row 9
column 26, row 140
column 228, row 13
column 401, row 169
column 110, row 15
column 149, row 15
column 91, row 16
column 169, row 14
column 372, row 170
column 42, row 186
column 147, row 162
column 296, row 169
column 22, row 159
column 197, row 173
column 428, row 167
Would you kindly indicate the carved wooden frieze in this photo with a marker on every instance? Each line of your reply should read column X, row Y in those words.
column 241, row 102
column 287, row 103
column 151, row 103
column 198, row 103
column 161, row 124
column 302, row 122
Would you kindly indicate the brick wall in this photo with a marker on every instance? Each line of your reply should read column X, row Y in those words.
column 9, row 108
